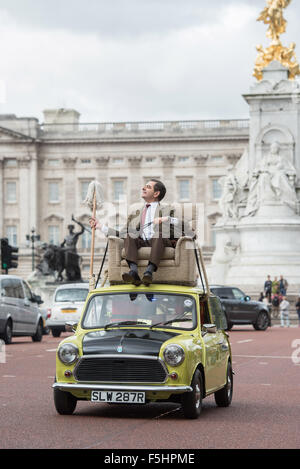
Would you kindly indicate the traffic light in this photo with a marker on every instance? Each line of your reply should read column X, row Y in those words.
column 9, row 260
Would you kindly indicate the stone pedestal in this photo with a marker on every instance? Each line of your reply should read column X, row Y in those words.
column 266, row 239
column 269, row 244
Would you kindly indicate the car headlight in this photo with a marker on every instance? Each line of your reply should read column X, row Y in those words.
column 174, row 354
column 68, row 353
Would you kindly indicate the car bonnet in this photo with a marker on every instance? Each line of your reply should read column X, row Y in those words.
column 127, row 341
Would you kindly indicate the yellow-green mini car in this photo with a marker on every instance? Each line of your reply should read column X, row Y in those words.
column 135, row 345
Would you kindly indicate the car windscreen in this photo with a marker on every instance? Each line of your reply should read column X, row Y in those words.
column 71, row 294
column 144, row 309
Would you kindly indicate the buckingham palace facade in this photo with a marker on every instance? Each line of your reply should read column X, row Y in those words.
column 46, row 168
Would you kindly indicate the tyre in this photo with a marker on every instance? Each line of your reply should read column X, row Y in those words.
column 56, row 332
column 7, row 334
column 192, row 401
column 262, row 321
column 37, row 337
column 65, row 403
column 223, row 397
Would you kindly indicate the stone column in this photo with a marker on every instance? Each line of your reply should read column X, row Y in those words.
column 24, row 199
column 34, row 193
column 68, row 196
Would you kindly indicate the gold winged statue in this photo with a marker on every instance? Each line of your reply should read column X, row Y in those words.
column 272, row 15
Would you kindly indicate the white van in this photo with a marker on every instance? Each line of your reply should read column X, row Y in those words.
column 20, row 314
column 68, row 301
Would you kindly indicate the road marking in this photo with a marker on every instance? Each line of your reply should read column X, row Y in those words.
column 264, row 356
column 244, row 341
column 51, row 350
column 263, row 363
column 8, row 376
column 265, row 384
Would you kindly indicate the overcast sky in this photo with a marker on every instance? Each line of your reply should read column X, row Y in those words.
column 132, row 60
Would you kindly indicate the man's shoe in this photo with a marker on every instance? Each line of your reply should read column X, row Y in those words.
column 132, row 277
column 147, row 278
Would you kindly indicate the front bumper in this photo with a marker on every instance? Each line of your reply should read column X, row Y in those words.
column 56, row 324
column 121, row 387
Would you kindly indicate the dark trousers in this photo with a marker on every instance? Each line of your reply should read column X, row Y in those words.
column 132, row 245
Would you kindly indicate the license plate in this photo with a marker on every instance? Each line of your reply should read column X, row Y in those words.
column 69, row 310
column 125, row 397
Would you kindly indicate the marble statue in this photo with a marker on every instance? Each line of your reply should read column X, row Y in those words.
column 273, row 180
column 228, row 200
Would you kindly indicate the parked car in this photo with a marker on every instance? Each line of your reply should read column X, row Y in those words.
column 240, row 309
column 135, row 345
column 19, row 310
column 68, row 301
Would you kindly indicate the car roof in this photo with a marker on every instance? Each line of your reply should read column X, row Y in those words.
column 10, row 276
column 72, row 285
column 151, row 289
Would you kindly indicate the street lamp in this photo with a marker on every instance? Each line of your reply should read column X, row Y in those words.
column 33, row 237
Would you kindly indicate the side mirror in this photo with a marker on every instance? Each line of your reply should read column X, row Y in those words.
column 71, row 326
column 38, row 299
column 210, row 328
column 247, row 298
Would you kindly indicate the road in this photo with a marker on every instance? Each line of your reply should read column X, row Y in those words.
column 265, row 412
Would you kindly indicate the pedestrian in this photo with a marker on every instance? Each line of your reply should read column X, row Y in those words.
column 275, row 286
column 284, row 312
column 261, row 298
column 283, row 285
column 298, row 309
column 268, row 288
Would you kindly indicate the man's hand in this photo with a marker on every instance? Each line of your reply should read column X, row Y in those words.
column 94, row 223
column 159, row 220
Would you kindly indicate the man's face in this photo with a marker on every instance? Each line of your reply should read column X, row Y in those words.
column 148, row 193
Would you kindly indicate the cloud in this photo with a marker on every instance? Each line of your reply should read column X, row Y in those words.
column 145, row 62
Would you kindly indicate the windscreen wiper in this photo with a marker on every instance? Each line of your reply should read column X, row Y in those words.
column 125, row 323
column 179, row 318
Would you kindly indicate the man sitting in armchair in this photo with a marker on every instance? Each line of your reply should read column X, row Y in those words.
column 154, row 225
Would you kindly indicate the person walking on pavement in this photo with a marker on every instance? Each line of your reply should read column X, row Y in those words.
column 275, row 286
column 268, row 288
column 284, row 312
column 282, row 285
column 298, row 309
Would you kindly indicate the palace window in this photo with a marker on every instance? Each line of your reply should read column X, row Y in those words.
column 11, row 192
column 53, row 192
column 86, row 238
column 53, row 234
column 216, row 189
column 84, row 185
column 11, row 234
column 184, row 189
column 118, row 190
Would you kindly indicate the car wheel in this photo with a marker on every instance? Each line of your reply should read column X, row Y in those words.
column 65, row 403
column 37, row 337
column 192, row 401
column 262, row 321
column 223, row 397
column 7, row 335
column 56, row 332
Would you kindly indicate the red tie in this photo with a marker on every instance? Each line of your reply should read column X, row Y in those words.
column 144, row 212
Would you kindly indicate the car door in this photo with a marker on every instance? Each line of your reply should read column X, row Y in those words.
column 216, row 347
column 30, row 309
column 227, row 299
column 244, row 310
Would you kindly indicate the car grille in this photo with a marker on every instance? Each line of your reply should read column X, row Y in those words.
column 123, row 369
